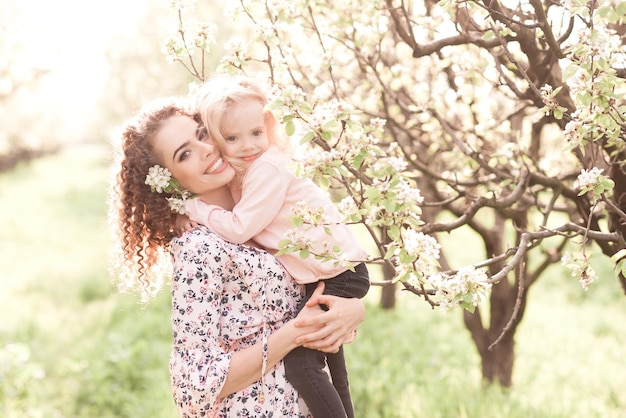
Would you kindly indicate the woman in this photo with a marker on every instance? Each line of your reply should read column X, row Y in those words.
column 232, row 305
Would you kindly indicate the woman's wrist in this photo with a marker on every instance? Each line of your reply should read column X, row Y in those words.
column 288, row 334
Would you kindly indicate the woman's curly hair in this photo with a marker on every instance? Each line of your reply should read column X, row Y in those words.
column 142, row 221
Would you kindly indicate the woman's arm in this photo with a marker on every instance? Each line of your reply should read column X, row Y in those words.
column 245, row 365
column 342, row 317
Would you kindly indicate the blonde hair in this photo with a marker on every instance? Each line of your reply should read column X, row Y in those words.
column 216, row 97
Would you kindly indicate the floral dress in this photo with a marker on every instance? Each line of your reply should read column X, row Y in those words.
column 227, row 297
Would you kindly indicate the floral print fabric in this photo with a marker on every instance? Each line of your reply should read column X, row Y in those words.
column 224, row 297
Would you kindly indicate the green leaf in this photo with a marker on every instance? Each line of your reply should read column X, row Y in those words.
column 489, row 35
column 394, row 232
column 558, row 113
column 308, row 137
column 358, row 159
column 390, row 205
column 373, row 193
column 276, row 105
column 619, row 255
column 469, row 307
column 585, row 98
column 290, row 128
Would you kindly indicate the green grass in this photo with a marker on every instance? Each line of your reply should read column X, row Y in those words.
column 71, row 346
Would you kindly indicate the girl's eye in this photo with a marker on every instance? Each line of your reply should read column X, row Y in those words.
column 230, row 138
column 258, row 132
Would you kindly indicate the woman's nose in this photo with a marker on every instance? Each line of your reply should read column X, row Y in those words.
column 208, row 148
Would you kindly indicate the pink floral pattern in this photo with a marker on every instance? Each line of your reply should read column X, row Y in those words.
column 223, row 298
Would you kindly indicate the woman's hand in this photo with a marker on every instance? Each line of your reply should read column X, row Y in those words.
column 338, row 323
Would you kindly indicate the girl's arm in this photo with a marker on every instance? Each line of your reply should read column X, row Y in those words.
column 263, row 195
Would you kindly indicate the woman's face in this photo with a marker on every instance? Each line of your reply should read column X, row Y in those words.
column 192, row 158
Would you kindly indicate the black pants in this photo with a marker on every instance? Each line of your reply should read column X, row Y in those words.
column 304, row 367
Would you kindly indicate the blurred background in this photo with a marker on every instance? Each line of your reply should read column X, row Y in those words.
column 72, row 346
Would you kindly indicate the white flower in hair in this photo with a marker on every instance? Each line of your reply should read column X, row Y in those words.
column 160, row 180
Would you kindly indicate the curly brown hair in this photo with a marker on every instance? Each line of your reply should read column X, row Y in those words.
column 142, row 221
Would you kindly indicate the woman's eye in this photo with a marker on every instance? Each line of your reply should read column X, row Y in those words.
column 184, row 155
column 202, row 134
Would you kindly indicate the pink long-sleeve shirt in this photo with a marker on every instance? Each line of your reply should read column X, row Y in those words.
column 263, row 210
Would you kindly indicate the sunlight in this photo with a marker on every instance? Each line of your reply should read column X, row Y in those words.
column 68, row 39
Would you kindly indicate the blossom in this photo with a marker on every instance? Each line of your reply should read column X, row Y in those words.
column 158, row 178
column 580, row 269
column 160, row 181
column 418, row 243
column 468, row 286
column 184, row 4
column 588, row 178
column 177, row 205
column 348, row 207
column 571, row 132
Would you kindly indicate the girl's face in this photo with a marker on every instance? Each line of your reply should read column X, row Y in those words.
column 244, row 132
column 191, row 157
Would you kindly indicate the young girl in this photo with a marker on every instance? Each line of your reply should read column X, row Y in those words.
column 266, row 191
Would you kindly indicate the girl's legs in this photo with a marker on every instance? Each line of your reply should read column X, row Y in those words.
column 305, row 367
column 305, row 370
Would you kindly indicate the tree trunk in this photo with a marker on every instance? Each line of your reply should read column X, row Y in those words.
column 388, row 292
column 497, row 364
column 507, row 302
column 388, row 297
column 497, row 350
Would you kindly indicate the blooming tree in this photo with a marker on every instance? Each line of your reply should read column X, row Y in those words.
column 504, row 118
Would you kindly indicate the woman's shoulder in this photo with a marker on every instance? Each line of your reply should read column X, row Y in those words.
column 202, row 236
column 199, row 234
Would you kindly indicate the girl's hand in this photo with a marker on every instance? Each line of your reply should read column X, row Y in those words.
column 184, row 224
column 338, row 323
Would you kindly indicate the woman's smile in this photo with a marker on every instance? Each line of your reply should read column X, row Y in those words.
column 217, row 166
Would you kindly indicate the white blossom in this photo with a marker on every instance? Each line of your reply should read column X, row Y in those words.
column 418, row 243
column 158, row 178
column 347, row 206
column 468, row 281
column 571, row 133
column 409, row 194
column 580, row 269
column 188, row 5
column 587, row 178
column 177, row 205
